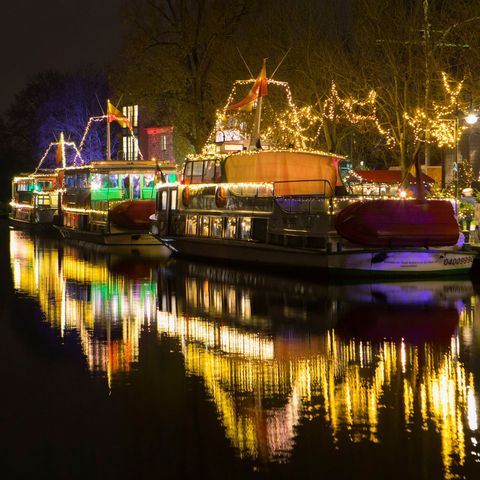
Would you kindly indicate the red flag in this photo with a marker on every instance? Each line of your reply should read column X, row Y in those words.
column 259, row 89
column 115, row 115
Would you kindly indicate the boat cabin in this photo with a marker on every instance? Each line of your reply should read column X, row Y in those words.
column 94, row 190
column 382, row 183
column 34, row 197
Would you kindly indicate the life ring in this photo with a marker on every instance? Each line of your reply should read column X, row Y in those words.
column 186, row 197
column 221, row 197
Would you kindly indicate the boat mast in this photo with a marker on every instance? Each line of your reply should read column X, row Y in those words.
column 255, row 143
column 108, row 130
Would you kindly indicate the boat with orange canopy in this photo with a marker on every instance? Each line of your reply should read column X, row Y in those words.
column 288, row 208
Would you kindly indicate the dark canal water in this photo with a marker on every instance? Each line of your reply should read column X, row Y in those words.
column 118, row 366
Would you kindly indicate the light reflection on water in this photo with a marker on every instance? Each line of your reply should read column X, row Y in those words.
column 277, row 356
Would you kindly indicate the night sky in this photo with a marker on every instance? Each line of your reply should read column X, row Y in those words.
column 63, row 35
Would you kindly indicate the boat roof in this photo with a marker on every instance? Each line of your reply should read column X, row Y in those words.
column 386, row 176
column 22, row 177
column 121, row 165
column 288, row 167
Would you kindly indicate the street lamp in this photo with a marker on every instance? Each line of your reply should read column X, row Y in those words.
column 471, row 118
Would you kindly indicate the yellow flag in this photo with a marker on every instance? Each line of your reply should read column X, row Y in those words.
column 115, row 115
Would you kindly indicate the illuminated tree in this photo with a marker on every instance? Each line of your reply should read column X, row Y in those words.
column 82, row 95
column 411, row 44
column 52, row 103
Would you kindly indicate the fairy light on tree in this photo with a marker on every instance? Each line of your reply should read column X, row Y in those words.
column 442, row 124
column 338, row 114
column 286, row 125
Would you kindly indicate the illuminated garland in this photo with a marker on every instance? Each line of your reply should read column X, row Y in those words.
column 63, row 144
column 216, row 156
column 100, row 118
column 442, row 126
column 290, row 125
column 334, row 107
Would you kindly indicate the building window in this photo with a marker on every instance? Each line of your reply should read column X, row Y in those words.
column 130, row 147
column 163, row 142
column 131, row 112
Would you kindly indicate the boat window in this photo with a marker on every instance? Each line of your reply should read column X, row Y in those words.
column 204, row 226
column 187, row 173
column 148, row 181
column 148, row 189
column 245, row 228
column 80, row 181
column 136, row 187
column 209, row 171
column 218, row 171
column 96, row 181
column 44, row 185
column 164, row 200
column 25, row 197
column 217, row 227
column 43, row 200
column 191, row 225
column 113, row 181
column 125, row 184
column 231, row 228
column 24, row 187
column 197, row 172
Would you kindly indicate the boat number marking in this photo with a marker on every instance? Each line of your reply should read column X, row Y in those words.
column 458, row 261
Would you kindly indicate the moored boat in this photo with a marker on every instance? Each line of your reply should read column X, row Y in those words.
column 110, row 202
column 279, row 215
column 34, row 200
column 288, row 207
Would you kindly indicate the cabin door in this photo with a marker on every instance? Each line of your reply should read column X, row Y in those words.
column 166, row 203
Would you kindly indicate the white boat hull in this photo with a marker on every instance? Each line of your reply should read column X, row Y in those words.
column 119, row 238
column 378, row 262
column 402, row 262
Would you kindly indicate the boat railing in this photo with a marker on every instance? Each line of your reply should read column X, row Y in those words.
column 250, row 196
column 310, row 196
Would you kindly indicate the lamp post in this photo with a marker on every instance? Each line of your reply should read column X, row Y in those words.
column 470, row 119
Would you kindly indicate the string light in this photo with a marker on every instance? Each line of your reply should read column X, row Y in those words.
column 90, row 122
column 55, row 144
column 442, row 125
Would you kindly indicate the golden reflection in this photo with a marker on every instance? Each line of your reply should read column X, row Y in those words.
column 348, row 382
column 274, row 357
column 106, row 311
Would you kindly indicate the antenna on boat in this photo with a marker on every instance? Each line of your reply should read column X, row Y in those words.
column 245, row 63
column 281, row 61
column 100, row 105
